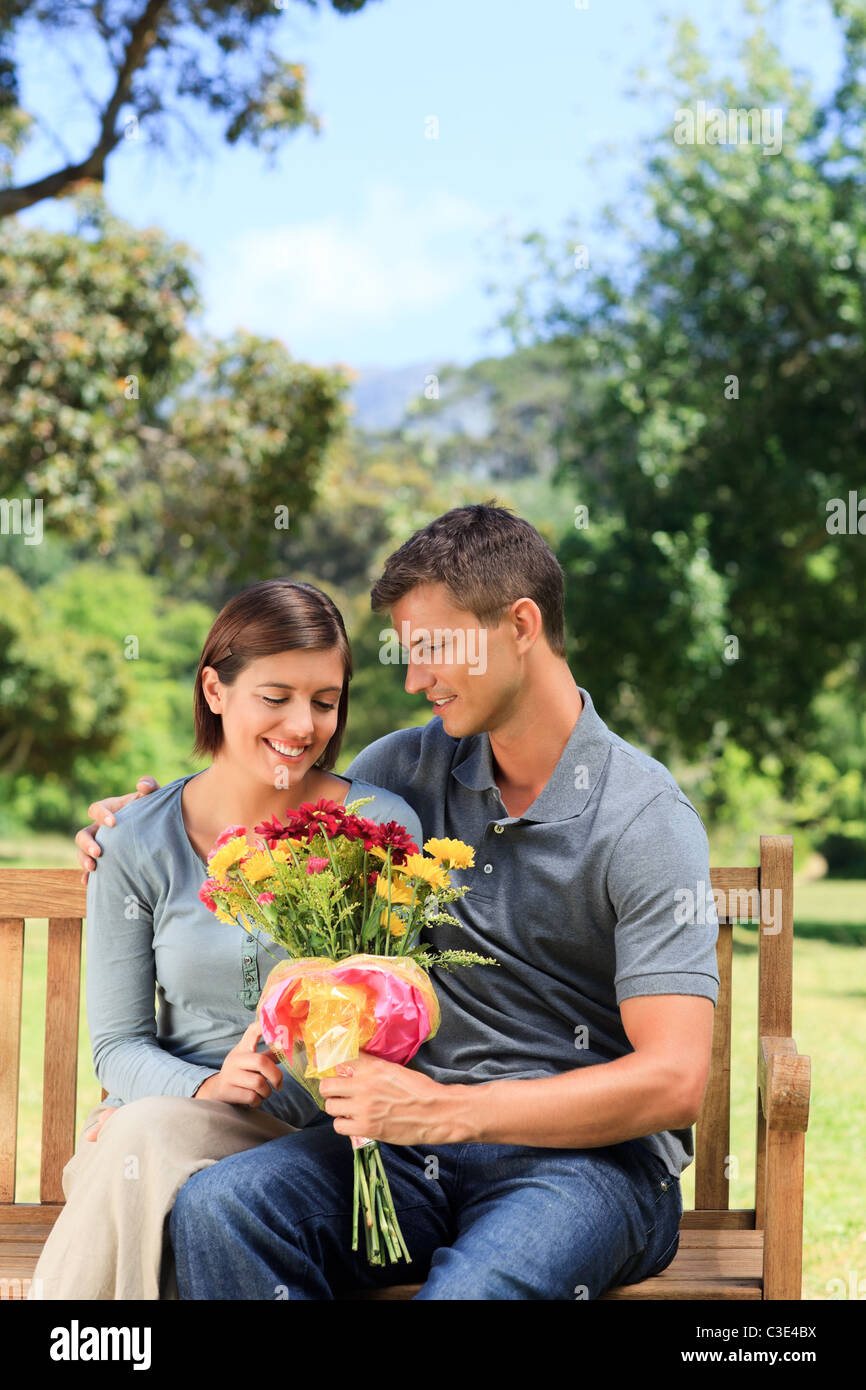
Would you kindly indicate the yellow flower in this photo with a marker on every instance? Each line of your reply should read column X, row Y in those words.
column 226, row 856
column 417, row 866
column 454, row 853
column 396, row 926
column 400, row 892
column 257, row 867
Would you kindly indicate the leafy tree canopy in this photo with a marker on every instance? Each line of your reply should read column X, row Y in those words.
column 163, row 57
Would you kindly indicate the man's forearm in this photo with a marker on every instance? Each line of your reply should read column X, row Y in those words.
column 590, row 1107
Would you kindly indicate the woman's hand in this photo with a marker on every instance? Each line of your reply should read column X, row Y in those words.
column 103, row 814
column 246, row 1077
column 93, row 1134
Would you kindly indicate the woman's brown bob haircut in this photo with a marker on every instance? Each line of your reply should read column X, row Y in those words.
column 275, row 615
column 487, row 558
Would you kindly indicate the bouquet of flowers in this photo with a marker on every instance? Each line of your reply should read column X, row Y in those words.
column 348, row 899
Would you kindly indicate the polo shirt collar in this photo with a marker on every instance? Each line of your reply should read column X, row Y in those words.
column 569, row 787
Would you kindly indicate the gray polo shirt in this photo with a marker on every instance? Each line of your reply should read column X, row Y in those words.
column 579, row 899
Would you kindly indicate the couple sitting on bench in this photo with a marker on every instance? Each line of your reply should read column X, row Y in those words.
column 534, row 1145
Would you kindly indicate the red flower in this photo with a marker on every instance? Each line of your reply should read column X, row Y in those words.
column 353, row 827
column 315, row 866
column 396, row 837
column 370, row 831
column 309, row 820
column 295, row 827
column 325, row 815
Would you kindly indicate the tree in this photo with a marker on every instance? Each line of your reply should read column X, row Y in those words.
column 220, row 53
column 63, row 690
column 709, row 597
column 136, row 436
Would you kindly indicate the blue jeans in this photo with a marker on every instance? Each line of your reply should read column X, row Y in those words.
column 481, row 1221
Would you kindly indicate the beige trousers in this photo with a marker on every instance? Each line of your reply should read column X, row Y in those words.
column 111, row 1241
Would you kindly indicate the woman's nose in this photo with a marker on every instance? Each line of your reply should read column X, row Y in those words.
column 301, row 728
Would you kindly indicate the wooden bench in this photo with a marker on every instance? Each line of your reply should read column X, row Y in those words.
column 750, row 1253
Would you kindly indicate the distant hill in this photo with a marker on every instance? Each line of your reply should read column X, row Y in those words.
column 496, row 418
column 382, row 397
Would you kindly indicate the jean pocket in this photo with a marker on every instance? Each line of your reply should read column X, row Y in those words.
column 665, row 1258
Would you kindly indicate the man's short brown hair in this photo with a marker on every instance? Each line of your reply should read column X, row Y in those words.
column 486, row 557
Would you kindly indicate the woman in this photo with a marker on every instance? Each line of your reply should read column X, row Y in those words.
column 187, row 1084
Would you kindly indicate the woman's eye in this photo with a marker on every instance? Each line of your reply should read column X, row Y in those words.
column 319, row 703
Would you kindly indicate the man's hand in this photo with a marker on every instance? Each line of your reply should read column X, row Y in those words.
column 246, row 1077
column 374, row 1099
column 103, row 814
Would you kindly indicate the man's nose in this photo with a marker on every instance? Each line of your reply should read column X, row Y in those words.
column 418, row 677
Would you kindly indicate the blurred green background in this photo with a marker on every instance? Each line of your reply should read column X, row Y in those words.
column 686, row 427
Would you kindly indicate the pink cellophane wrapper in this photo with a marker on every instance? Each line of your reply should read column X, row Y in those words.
column 328, row 1011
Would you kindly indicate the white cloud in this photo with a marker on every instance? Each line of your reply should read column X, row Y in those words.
column 321, row 284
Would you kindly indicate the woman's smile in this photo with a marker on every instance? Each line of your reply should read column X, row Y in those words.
column 287, row 750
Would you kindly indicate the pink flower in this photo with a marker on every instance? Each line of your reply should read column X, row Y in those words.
column 206, row 891
column 230, row 832
column 265, row 898
column 315, row 866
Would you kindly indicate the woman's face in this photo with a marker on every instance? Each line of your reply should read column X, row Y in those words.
column 280, row 713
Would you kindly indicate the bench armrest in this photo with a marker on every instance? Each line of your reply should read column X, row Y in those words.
column 784, row 1080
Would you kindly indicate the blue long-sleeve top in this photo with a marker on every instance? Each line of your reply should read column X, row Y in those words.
column 170, row 989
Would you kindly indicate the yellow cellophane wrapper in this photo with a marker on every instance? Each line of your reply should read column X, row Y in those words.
column 332, row 1019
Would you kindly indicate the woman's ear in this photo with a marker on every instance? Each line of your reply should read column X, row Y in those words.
column 211, row 689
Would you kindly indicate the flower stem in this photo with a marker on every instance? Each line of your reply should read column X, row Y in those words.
column 373, row 1253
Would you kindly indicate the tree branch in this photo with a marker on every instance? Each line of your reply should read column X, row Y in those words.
column 142, row 38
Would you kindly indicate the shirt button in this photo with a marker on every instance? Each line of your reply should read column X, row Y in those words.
column 488, row 868
column 248, row 960
column 499, row 829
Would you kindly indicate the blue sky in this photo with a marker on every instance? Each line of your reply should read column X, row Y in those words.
column 370, row 243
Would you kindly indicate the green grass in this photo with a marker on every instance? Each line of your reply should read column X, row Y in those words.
column 828, row 1024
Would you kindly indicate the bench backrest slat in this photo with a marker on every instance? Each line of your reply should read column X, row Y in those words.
column 713, row 1129
column 11, row 974
column 735, row 893
column 60, row 1074
column 775, row 974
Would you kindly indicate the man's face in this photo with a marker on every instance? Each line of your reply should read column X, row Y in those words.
column 453, row 658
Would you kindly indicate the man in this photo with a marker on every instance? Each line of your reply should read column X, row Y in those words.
column 534, row 1146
